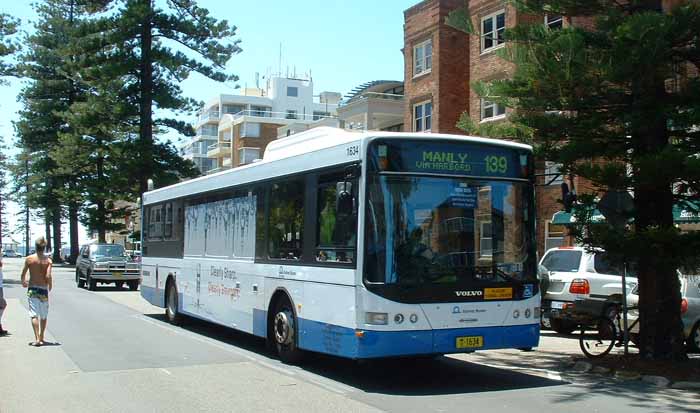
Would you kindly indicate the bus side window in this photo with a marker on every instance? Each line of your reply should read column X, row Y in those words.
column 336, row 219
column 286, row 220
column 260, row 222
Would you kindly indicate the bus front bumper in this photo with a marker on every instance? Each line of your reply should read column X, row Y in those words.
column 358, row 344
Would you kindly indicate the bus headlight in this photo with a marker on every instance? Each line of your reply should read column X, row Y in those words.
column 537, row 312
column 528, row 313
column 414, row 318
column 516, row 313
column 398, row 318
column 377, row 318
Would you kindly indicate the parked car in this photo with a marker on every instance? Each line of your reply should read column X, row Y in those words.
column 106, row 264
column 579, row 281
column 11, row 254
column 690, row 311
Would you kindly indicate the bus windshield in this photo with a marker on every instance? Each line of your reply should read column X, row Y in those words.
column 424, row 230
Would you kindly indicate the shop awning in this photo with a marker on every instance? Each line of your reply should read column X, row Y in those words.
column 568, row 218
column 686, row 213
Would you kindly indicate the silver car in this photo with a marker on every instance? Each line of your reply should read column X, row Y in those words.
column 106, row 264
column 690, row 310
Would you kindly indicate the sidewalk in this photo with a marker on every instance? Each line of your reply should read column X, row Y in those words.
column 34, row 374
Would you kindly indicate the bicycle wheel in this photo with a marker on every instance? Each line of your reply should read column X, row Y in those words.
column 598, row 342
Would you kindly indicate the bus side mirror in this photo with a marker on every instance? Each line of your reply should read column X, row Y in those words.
column 344, row 202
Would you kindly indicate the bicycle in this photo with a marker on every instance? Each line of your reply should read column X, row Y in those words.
column 607, row 333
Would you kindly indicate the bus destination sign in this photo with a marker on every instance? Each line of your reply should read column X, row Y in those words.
column 453, row 158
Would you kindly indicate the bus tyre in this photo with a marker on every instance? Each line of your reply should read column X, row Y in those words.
column 284, row 333
column 79, row 281
column 119, row 284
column 562, row 326
column 171, row 298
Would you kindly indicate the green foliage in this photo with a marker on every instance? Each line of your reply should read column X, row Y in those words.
column 152, row 49
column 9, row 45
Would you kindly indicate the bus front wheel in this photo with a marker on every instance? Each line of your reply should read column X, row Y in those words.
column 284, row 332
column 171, row 312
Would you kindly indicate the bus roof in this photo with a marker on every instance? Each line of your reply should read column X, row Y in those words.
column 293, row 154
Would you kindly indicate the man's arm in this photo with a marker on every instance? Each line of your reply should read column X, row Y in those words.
column 24, row 273
column 49, row 278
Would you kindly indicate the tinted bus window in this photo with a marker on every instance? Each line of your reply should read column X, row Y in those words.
column 286, row 220
column 336, row 231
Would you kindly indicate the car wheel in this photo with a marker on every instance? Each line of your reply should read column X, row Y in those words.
column 119, row 284
column 91, row 283
column 171, row 299
column 693, row 340
column 133, row 285
column 284, row 332
column 562, row 326
column 79, row 281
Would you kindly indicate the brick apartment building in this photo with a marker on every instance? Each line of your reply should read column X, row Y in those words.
column 441, row 63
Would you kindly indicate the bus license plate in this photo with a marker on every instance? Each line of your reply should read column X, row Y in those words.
column 470, row 342
column 117, row 274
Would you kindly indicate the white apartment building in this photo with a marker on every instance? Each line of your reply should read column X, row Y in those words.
column 236, row 128
column 375, row 105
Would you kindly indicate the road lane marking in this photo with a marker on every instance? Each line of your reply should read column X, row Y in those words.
column 166, row 372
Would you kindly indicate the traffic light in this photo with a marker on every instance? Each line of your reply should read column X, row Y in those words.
column 567, row 197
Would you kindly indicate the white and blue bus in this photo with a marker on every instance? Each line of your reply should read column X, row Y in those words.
column 359, row 245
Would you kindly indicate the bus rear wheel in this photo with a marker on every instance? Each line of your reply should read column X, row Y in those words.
column 284, row 333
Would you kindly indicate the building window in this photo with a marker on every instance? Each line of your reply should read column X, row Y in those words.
column 291, row 114
column 261, row 111
column 492, row 28
column 422, row 117
column 554, row 21
column 423, row 58
column 233, row 109
column 248, row 155
column 320, row 115
column 486, row 240
column 554, row 236
column 551, row 169
column 492, row 110
column 250, row 130
column 292, row 91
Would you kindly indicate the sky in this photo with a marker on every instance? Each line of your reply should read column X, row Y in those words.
column 341, row 43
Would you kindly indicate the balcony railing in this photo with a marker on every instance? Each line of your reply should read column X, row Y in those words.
column 217, row 148
column 373, row 95
column 208, row 116
column 279, row 115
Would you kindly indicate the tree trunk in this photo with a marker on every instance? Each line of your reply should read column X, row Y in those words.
column 56, row 222
column 661, row 329
column 101, row 210
column 47, row 229
column 74, row 236
column 146, row 101
column 101, row 232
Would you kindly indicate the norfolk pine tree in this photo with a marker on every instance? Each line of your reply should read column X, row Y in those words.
column 618, row 104
column 50, row 93
column 8, row 46
column 153, row 49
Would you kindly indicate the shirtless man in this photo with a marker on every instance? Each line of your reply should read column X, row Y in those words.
column 38, row 287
